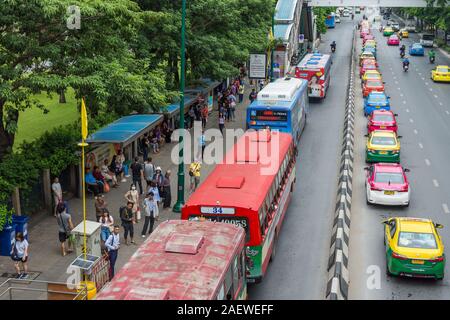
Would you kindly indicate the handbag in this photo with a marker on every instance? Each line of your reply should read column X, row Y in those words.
column 106, row 187
column 138, row 213
column 14, row 254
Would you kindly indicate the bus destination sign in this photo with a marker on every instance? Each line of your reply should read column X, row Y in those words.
column 268, row 115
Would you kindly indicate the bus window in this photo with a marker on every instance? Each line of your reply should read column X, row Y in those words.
column 236, row 272
column 229, row 283
column 221, row 293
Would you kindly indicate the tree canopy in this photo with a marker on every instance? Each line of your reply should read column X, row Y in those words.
column 125, row 56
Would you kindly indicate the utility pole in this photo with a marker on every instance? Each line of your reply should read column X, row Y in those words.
column 180, row 194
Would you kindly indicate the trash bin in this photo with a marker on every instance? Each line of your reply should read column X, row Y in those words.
column 6, row 239
column 21, row 223
column 90, row 287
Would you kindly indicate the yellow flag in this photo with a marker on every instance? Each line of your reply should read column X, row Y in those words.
column 84, row 120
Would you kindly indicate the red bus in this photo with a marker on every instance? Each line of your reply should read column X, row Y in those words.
column 238, row 191
column 315, row 67
column 184, row 260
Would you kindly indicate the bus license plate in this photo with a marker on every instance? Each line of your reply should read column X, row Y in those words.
column 417, row 261
column 382, row 127
column 377, row 107
column 389, row 193
column 383, row 152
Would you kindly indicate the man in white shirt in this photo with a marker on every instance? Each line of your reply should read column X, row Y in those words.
column 151, row 213
column 57, row 193
column 113, row 245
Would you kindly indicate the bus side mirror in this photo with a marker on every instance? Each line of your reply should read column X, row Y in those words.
column 399, row 137
column 366, row 135
column 438, row 226
column 406, row 170
column 366, row 168
column 386, row 222
column 395, row 114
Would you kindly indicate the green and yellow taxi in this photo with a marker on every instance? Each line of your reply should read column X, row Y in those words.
column 371, row 75
column 388, row 31
column 403, row 33
column 414, row 248
column 370, row 43
column 441, row 73
column 383, row 146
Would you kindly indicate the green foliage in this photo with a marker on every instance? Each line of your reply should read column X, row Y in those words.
column 321, row 14
column 435, row 15
column 5, row 213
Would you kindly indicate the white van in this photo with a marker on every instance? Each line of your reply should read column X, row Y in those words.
column 410, row 26
column 427, row 40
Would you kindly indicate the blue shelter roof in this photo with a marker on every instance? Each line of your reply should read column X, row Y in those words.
column 285, row 10
column 125, row 129
column 282, row 31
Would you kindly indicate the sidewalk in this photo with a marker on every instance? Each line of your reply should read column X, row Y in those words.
column 45, row 256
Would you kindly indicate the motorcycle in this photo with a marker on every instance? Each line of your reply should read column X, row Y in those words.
column 402, row 54
column 432, row 59
column 405, row 67
column 333, row 49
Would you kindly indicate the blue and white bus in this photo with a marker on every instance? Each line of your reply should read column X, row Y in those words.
column 281, row 105
column 330, row 20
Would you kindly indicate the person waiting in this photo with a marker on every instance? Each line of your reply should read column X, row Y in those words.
column 93, row 184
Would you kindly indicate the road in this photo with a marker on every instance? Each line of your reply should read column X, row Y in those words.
column 299, row 270
column 424, row 123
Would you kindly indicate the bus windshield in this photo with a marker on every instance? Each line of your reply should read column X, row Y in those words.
column 428, row 37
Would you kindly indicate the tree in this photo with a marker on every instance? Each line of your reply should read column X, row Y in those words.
column 321, row 14
column 36, row 44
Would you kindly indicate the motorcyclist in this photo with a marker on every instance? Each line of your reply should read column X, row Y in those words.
column 402, row 49
column 405, row 62
column 431, row 55
column 333, row 46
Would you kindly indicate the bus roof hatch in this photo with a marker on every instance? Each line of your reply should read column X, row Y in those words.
column 184, row 243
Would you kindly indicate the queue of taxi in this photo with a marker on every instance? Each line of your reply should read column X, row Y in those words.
column 413, row 246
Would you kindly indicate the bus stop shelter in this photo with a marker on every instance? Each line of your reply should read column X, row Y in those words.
column 124, row 134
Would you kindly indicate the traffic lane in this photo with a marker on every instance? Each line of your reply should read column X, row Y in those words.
column 369, row 249
column 299, row 270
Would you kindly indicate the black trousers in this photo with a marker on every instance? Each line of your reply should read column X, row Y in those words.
column 112, row 261
column 128, row 228
column 148, row 220
column 167, row 197
column 138, row 181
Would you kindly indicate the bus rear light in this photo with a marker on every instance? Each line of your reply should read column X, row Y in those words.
column 438, row 259
column 398, row 256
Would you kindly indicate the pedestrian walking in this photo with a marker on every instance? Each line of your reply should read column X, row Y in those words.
column 138, row 173
column 221, row 122
column 241, row 92
column 191, row 114
column 194, row 173
column 166, row 190
column 57, row 193
column 202, row 143
column 100, row 206
column 112, row 245
column 232, row 103
column 149, row 171
column 253, row 95
column 151, row 213
column 19, row 254
column 107, row 222
column 158, row 178
column 65, row 226
column 132, row 195
column 127, row 217
column 205, row 112
column 155, row 190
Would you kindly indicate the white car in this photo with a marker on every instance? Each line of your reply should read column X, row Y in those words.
column 346, row 13
column 386, row 184
column 337, row 18
column 395, row 26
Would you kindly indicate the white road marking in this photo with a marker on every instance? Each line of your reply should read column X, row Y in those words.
column 445, row 207
column 404, row 102
column 396, row 82
column 420, row 145
column 428, row 162
column 426, row 83
column 398, row 88
column 446, row 111
column 435, row 96
column 420, row 73
column 431, row 89
column 401, row 94
column 407, row 110
column 415, row 131
column 411, row 120
column 436, row 183
column 423, row 78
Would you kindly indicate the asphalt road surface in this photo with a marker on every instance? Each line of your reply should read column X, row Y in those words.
column 424, row 122
column 299, row 270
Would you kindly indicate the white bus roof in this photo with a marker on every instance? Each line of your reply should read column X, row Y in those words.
column 314, row 61
column 280, row 90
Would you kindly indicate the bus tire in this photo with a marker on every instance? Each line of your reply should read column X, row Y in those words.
column 274, row 247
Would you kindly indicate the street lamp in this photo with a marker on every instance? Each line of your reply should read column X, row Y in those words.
column 180, row 194
column 272, row 78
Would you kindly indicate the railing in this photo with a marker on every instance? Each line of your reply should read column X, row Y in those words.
column 22, row 289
